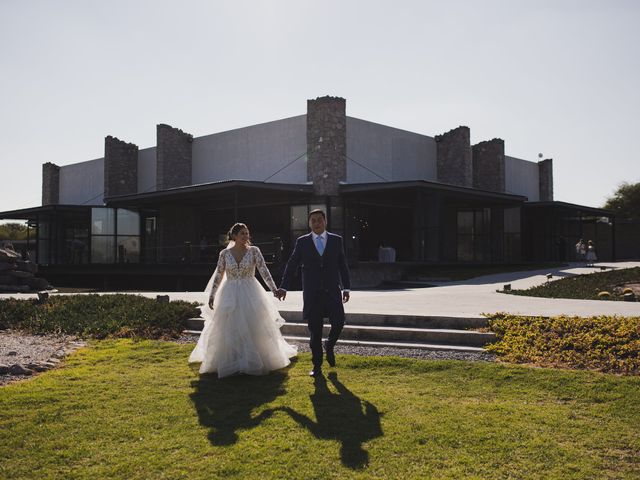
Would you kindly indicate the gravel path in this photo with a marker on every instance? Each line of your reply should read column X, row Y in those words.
column 21, row 354
column 386, row 351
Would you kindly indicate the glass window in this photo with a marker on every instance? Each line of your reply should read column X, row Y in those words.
column 102, row 249
column 299, row 219
column 102, row 221
column 128, row 222
column 512, row 220
column 128, row 249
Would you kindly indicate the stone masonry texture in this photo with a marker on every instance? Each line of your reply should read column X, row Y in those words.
column 454, row 157
column 326, row 144
column 488, row 165
column 120, row 167
column 50, row 184
column 173, row 157
column 545, row 174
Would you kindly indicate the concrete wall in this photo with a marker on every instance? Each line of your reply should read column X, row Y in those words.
column 253, row 153
column 147, row 170
column 389, row 152
column 522, row 178
column 82, row 183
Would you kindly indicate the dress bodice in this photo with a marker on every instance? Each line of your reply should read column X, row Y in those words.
column 245, row 269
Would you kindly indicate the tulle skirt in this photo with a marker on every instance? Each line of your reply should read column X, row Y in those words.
column 242, row 332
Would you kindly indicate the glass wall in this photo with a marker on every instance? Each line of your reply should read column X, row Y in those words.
column 474, row 235
column 115, row 235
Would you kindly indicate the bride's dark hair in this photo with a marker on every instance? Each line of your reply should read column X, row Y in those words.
column 234, row 230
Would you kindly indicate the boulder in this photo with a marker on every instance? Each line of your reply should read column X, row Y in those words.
column 37, row 283
column 7, row 254
column 8, row 279
column 27, row 266
column 18, row 369
column 4, row 266
column 18, row 274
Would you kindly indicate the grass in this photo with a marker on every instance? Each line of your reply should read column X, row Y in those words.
column 136, row 410
column 585, row 287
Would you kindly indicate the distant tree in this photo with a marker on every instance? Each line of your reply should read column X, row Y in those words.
column 625, row 201
column 14, row 231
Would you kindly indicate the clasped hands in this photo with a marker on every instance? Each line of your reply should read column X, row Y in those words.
column 281, row 294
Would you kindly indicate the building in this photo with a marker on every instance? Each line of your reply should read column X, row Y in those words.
column 432, row 199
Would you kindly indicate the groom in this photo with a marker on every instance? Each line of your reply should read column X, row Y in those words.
column 325, row 285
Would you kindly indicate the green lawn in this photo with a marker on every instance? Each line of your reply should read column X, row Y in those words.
column 122, row 409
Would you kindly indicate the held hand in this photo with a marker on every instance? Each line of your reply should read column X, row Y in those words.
column 345, row 297
column 280, row 294
column 211, row 303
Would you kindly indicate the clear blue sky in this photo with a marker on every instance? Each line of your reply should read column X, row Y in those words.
column 556, row 77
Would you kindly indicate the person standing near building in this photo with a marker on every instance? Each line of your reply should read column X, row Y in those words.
column 241, row 333
column 591, row 256
column 325, row 285
column 581, row 251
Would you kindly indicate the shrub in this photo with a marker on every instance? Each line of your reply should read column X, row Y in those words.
column 606, row 343
column 98, row 316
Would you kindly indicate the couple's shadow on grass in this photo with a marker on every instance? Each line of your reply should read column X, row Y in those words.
column 226, row 406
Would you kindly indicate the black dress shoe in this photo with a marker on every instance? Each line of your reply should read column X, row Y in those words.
column 316, row 372
column 331, row 357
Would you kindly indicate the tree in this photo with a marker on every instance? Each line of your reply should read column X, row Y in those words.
column 14, row 231
column 625, row 201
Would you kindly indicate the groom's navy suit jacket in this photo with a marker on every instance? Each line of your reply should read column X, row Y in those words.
column 327, row 273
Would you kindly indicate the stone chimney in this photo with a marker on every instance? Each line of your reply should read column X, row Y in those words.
column 50, row 184
column 454, row 157
column 326, row 144
column 120, row 167
column 545, row 175
column 173, row 157
column 488, row 165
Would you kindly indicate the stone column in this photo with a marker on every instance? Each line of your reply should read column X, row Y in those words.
column 488, row 165
column 326, row 144
column 173, row 157
column 454, row 157
column 50, row 184
column 120, row 167
column 545, row 175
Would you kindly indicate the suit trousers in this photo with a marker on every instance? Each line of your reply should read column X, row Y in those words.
column 324, row 306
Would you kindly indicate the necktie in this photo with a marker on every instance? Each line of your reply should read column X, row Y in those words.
column 319, row 244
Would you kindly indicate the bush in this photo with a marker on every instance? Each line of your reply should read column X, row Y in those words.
column 606, row 343
column 98, row 316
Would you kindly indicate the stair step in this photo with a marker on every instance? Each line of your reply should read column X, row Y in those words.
column 379, row 344
column 400, row 334
column 415, row 321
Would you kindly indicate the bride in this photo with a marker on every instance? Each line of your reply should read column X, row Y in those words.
column 241, row 331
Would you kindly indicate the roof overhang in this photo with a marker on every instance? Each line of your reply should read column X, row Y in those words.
column 599, row 212
column 194, row 192
column 355, row 188
column 34, row 212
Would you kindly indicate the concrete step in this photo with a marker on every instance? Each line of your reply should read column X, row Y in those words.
column 412, row 321
column 364, row 333
column 369, row 333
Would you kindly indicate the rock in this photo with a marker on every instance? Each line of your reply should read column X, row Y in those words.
column 19, row 274
column 18, row 369
column 27, row 266
column 6, row 254
column 4, row 369
column 12, row 353
column 36, row 283
column 7, row 266
column 6, row 279
column 55, row 361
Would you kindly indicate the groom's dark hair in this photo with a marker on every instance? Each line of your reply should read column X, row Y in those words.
column 317, row 210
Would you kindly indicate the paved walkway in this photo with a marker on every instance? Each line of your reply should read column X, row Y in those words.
column 469, row 298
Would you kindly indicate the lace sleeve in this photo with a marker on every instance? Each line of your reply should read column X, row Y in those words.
column 216, row 279
column 264, row 271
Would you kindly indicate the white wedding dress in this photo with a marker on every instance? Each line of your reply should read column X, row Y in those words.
column 242, row 332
